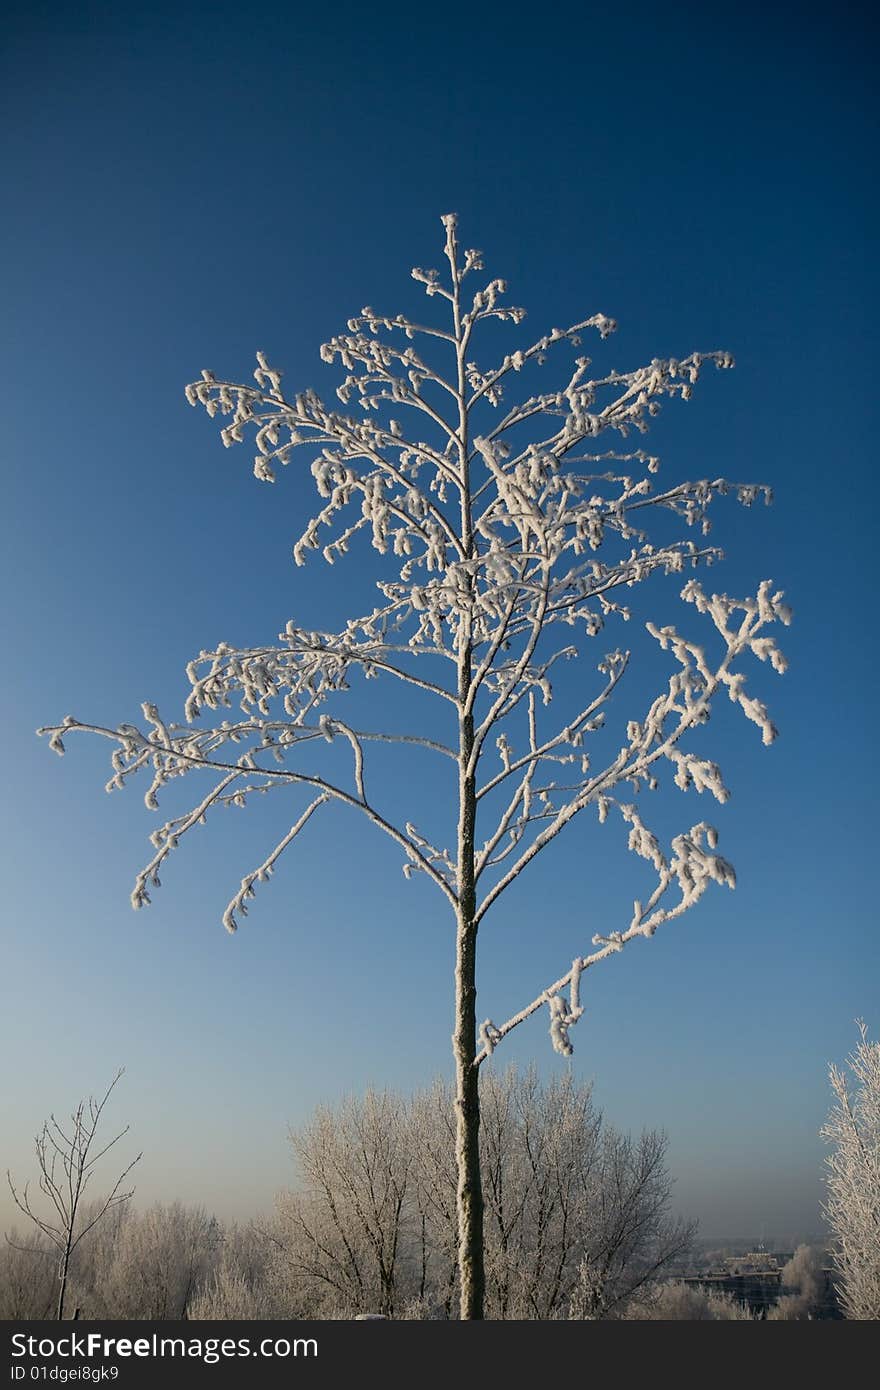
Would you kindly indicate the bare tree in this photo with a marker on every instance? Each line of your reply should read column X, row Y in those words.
column 494, row 517
column 67, row 1159
column 852, row 1207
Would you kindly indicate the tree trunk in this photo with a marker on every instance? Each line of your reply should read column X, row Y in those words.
column 467, row 1136
column 65, row 1262
column 464, row 1041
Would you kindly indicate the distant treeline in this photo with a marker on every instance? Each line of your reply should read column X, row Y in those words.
column 577, row 1225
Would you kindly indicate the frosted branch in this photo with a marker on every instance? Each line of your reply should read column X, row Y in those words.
column 239, row 902
column 135, row 743
column 692, row 867
column 687, row 703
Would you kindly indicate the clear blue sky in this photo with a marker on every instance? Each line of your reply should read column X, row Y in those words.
column 185, row 186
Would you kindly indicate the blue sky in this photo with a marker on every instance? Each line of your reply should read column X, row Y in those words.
column 186, row 187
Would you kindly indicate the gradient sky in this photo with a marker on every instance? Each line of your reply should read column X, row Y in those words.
column 185, row 186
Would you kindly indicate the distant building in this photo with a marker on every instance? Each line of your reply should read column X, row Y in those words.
column 758, row 1261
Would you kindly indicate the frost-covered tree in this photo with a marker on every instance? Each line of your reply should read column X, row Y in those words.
column 803, row 1280
column 577, row 1215
column 676, row 1301
column 504, row 520
column 345, row 1231
column 159, row 1263
column 852, row 1207
column 28, row 1276
column 226, row 1295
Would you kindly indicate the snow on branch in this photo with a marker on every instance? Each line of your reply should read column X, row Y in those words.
column 482, row 575
column 238, row 904
column 173, row 751
column 496, row 520
column 691, row 868
column 684, row 705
